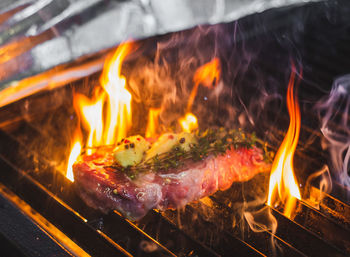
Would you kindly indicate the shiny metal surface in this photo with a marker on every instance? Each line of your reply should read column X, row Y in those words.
column 38, row 35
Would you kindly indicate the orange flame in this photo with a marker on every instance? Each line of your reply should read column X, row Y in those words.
column 107, row 116
column 152, row 123
column 118, row 118
column 189, row 122
column 91, row 113
column 207, row 75
column 74, row 154
column 282, row 177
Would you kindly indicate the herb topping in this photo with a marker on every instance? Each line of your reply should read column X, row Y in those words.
column 211, row 141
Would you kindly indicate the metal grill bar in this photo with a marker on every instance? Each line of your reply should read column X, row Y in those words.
column 115, row 230
column 286, row 235
column 325, row 228
column 221, row 223
column 28, row 189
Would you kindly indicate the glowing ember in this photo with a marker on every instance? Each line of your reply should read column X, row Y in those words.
column 153, row 123
column 207, row 75
column 282, row 178
column 107, row 116
column 189, row 122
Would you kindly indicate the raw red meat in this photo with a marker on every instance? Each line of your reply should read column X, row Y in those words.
column 105, row 189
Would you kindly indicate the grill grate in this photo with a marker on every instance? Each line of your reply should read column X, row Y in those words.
column 204, row 228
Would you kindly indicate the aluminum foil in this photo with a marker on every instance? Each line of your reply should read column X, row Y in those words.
column 38, row 35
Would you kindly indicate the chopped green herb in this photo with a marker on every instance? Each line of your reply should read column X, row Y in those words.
column 211, row 141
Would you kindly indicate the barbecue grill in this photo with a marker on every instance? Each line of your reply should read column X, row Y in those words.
column 256, row 52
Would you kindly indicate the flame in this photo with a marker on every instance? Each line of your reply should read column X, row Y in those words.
column 90, row 112
column 107, row 115
column 153, row 123
column 74, row 154
column 189, row 122
column 118, row 118
column 207, row 75
column 282, row 177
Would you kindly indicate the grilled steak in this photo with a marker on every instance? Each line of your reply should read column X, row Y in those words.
column 104, row 188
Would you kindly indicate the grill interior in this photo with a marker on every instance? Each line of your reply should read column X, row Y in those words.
column 316, row 36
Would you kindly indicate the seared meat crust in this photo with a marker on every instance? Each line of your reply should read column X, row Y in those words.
column 105, row 189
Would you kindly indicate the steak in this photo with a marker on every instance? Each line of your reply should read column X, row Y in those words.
column 104, row 188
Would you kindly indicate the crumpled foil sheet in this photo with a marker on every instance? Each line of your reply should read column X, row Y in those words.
column 38, row 35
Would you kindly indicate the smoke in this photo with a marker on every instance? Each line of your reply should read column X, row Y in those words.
column 262, row 220
column 165, row 79
column 317, row 185
column 333, row 112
